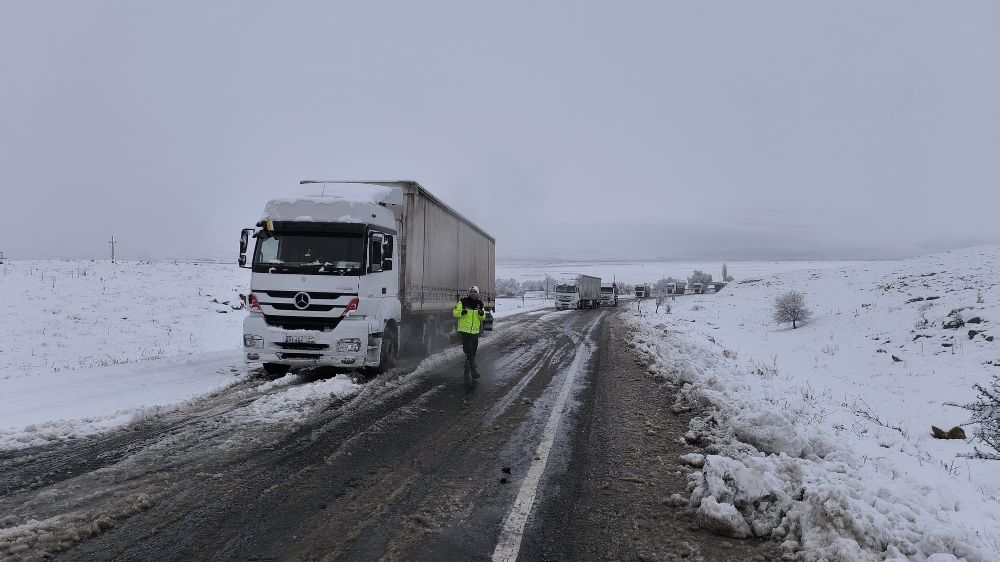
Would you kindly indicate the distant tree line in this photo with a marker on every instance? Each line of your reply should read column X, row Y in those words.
column 511, row 287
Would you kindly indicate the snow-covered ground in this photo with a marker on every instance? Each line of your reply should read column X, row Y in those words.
column 821, row 436
column 90, row 345
column 510, row 306
column 87, row 346
column 68, row 315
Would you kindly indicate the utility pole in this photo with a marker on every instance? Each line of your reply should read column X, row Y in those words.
column 112, row 242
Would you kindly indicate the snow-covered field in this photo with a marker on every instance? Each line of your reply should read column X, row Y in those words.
column 509, row 306
column 821, row 436
column 68, row 315
column 89, row 345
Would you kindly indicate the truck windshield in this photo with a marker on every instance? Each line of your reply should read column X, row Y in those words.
column 309, row 253
column 608, row 290
column 566, row 288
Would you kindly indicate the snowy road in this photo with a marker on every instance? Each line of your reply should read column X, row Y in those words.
column 563, row 450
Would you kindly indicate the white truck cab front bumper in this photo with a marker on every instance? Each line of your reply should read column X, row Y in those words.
column 347, row 345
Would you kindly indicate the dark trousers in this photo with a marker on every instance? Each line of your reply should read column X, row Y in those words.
column 470, row 344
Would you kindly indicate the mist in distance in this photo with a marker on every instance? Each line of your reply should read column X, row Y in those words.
column 665, row 130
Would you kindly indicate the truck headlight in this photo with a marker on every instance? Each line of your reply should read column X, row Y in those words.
column 348, row 345
column 250, row 340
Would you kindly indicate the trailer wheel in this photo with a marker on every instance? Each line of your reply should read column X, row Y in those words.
column 276, row 370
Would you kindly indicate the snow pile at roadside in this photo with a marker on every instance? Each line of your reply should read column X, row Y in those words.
column 817, row 437
column 75, row 404
column 295, row 402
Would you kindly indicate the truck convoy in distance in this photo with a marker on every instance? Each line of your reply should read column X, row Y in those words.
column 347, row 272
column 609, row 294
column 582, row 291
column 642, row 291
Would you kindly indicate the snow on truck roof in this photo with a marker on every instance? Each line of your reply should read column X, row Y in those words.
column 334, row 203
column 319, row 200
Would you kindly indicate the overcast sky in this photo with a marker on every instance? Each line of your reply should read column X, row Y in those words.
column 660, row 129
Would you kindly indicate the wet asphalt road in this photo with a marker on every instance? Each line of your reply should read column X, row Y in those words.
column 420, row 465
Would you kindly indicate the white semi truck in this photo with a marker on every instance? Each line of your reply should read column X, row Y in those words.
column 609, row 294
column 582, row 291
column 347, row 272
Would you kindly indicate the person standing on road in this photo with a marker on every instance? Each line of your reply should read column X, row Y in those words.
column 470, row 314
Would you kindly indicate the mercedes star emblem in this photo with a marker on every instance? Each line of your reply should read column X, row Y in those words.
column 302, row 301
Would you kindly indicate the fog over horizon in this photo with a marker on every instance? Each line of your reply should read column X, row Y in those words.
column 660, row 130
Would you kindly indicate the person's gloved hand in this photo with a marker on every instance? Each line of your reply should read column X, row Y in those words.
column 464, row 312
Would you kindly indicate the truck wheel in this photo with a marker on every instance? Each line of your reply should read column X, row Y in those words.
column 276, row 370
column 389, row 353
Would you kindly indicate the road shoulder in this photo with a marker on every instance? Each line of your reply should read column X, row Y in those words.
column 614, row 502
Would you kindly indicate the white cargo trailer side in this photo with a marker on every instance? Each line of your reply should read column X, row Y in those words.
column 590, row 291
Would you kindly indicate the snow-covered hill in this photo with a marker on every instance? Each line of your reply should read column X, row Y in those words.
column 821, row 436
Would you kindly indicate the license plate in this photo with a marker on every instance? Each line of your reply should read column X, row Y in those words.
column 300, row 339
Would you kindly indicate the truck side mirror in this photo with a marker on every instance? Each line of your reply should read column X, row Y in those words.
column 387, row 248
column 375, row 258
column 244, row 243
column 386, row 265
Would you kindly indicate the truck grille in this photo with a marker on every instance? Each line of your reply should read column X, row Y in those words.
column 302, row 346
column 302, row 322
column 312, row 295
column 310, row 308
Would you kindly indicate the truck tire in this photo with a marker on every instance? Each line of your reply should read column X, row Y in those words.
column 276, row 370
column 388, row 354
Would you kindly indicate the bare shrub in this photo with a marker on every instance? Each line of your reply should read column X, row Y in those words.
column 986, row 412
column 791, row 307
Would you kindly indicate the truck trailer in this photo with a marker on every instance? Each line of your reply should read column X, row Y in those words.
column 346, row 273
column 581, row 291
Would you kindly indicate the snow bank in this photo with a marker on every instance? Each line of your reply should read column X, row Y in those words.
column 45, row 408
column 296, row 402
column 816, row 437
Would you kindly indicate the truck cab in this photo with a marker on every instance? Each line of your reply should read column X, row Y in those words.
column 323, row 288
column 609, row 294
column 567, row 295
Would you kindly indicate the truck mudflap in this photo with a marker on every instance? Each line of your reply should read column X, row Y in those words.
column 348, row 345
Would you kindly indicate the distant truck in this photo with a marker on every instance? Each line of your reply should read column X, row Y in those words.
column 348, row 272
column 642, row 291
column 582, row 291
column 609, row 294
